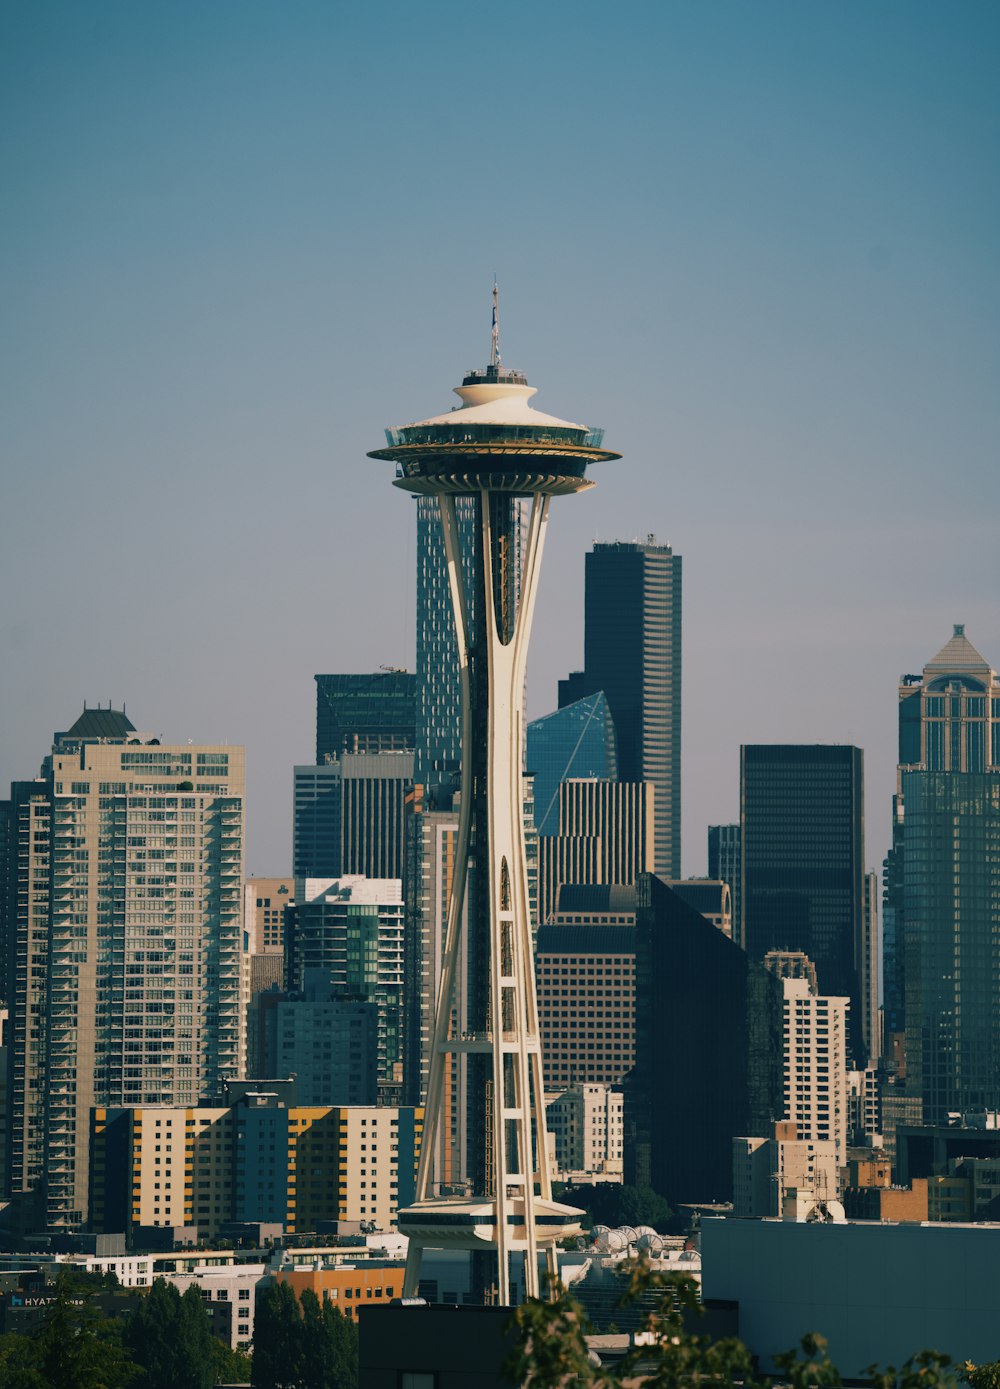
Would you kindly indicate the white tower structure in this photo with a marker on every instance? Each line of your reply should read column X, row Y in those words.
column 496, row 449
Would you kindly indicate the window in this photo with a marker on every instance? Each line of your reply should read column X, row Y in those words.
column 416, row 1379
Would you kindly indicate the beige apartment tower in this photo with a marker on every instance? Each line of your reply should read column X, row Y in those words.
column 136, row 997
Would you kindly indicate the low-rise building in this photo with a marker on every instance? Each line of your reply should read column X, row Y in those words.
column 765, row 1170
column 259, row 1160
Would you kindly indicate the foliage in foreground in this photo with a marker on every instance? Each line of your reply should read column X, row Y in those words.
column 302, row 1345
column 552, row 1353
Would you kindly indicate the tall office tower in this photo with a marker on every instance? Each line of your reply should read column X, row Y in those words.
column 697, row 1059
column 869, row 957
column 494, row 449
column 816, row 1064
column 438, row 682
column 349, row 932
column 6, row 812
column 951, row 908
column 586, row 988
column 949, row 721
column 365, row 713
column 725, row 862
column 632, row 651
column 349, row 816
column 606, row 835
column 576, row 742
column 802, row 822
column 137, row 880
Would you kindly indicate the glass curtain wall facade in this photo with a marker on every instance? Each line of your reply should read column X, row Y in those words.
column 365, row 713
column 949, row 721
column 803, row 881
column 632, row 651
column 577, row 741
column 951, row 906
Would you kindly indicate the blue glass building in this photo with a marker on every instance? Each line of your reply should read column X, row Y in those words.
column 575, row 742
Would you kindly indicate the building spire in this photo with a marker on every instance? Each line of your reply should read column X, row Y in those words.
column 495, row 335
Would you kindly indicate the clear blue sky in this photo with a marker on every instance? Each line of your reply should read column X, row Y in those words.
column 756, row 242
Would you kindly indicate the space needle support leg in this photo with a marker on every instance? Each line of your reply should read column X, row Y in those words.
column 456, row 900
column 514, row 1103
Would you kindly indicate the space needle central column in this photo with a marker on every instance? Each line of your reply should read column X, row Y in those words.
column 498, row 450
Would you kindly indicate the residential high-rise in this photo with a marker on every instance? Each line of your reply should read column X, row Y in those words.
column 494, row 449
column 816, row 1064
column 949, row 722
column 632, row 651
column 130, row 944
column 725, row 863
column 574, row 743
column 365, row 713
column 605, row 835
column 348, row 933
column 803, row 888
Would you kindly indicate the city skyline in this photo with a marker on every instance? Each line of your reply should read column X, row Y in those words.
column 782, row 295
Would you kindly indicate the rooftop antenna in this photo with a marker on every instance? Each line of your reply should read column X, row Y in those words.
column 495, row 335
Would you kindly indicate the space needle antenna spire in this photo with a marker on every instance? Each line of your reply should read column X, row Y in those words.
column 495, row 334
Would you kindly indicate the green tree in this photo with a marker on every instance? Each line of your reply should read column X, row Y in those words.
column 228, row 1366
column 277, row 1339
column 609, row 1203
column 74, row 1348
column 170, row 1337
column 981, row 1376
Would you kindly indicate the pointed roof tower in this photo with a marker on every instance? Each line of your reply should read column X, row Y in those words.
column 958, row 656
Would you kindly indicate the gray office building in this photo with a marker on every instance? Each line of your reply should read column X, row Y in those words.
column 632, row 651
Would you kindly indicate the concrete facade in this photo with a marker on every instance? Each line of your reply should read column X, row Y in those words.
column 879, row 1293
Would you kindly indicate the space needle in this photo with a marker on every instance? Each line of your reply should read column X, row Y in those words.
column 495, row 448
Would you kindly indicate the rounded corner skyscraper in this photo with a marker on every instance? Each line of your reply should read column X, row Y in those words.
column 496, row 449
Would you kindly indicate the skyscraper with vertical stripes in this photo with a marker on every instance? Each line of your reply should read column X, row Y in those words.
column 632, row 651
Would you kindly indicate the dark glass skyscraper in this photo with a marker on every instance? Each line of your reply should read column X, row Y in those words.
column 365, row 713
column 941, row 884
column 802, row 824
column 724, row 865
column 438, row 696
column 632, row 651
column 576, row 742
